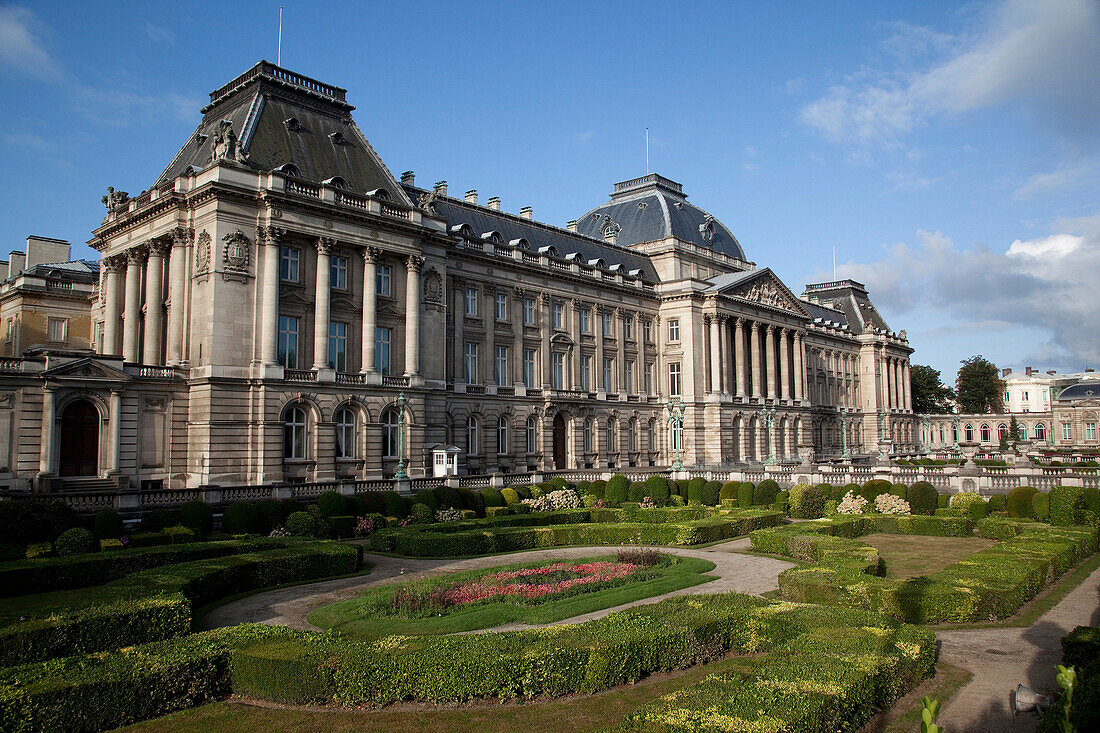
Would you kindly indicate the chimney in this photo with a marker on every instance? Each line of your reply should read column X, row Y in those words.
column 1051, row 372
column 441, row 188
column 1089, row 369
column 1028, row 371
column 494, row 203
column 526, row 213
column 1005, row 372
column 571, row 225
column 17, row 262
column 471, row 196
column 408, row 178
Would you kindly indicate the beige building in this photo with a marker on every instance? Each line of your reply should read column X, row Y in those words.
column 263, row 305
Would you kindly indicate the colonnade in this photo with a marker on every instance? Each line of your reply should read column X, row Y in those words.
column 840, row 371
column 896, row 393
column 757, row 373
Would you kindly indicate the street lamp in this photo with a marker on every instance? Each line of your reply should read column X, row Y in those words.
column 845, row 455
column 769, row 421
column 955, row 422
column 401, row 402
column 676, row 421
column 882, row 435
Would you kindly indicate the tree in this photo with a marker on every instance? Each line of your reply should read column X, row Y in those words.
column 1013, row 431
column 979, row 387
column 930, row 395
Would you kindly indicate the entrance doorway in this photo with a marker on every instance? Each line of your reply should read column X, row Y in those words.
column 559, row 442
column 79, row 449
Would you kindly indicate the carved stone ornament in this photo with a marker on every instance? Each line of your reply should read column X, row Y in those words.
column 237, row 252
column 706, row 229
column 414, row 263
column 433, row 287
column 766, row 293
column 427, row 202
column 115, row 200
column 225, row 145
column 202, row 252
column 270, row 235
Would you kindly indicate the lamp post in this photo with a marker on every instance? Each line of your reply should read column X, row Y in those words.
column 676, row 421
column 845, row 455
column 401, row 402
column 769, row 421
column 955, row 421
column 882, row 440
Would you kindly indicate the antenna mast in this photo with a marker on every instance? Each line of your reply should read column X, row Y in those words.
column 647, row 151
column 279, row 53
column 834, row 263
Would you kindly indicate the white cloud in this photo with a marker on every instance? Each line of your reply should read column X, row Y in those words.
column 1042, row 55
column 1063, row 178
column 21, row 48
column 1054, row 246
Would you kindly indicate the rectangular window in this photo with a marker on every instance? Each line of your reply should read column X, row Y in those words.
column 586, row 320
column 502, row 307
column 501, row 373
column 649, row 378
column 628, row 378
column 1025, row 396
column 608, row 368
column 586, row 372
column 674, row 329
column 471, row 363
column 288, row 264
column 1067, row 431
column 288, row 341
column 383, row 280
column 650, row 438
column 471, row 301
column 383, row 337
column 606, row 324
column 674, row 379
column 1090, row 431
column 628, row 328
column 339, row 278
column 559, row 369
column 647, row 331
column 9, row 331
column 528, row 311
column 528, row 368
column 338, row 346
column 57, row 329
column 558, row 316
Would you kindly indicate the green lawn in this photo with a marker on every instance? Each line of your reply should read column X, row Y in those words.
column 357, row 616
column 911, row 556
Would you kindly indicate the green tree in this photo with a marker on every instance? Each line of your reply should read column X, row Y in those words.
column 930, row 395
column 979, row 386
column 1013, row 431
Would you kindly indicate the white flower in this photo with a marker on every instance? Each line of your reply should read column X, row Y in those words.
column 851, row 504
column 890, row 504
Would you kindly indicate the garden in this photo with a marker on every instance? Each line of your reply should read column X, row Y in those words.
column 101, row 630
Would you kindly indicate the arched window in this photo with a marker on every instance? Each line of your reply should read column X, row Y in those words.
column 345, row 433
column 609, row 437
column 294, row 434
column 985, row 433
column 471, row 436
column 502, row 435
column 532, row 434
column 1021, row 431
column 968, row 431
column 1002, row 431
column 1040, row 431
column 586, row 437
column 390, row 428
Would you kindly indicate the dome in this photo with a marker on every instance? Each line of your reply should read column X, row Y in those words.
column 652, row 208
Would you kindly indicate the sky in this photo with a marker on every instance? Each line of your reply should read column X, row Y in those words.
column 948, row 153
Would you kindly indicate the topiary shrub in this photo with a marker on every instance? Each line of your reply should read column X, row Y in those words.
column 794, row 498
column 427, row 498
column 636, row 491
column 764, row 494
column 812, row 503
column 617, row 490
column 394, row 504
column 475, row 502
column 657, row 489
column 290, row 506
column 839, row 492
column 676, row 500
column 158, row 519
column 301, row 524
column 269, row 515
column 524, row 492
column 942, row 501
column 447, row 497
column 1040, row 506
column 179, row 535
column 558, row 483
column 972, row 503
column 998, row 503
column 583, row 487
column 830, row 507
column 197, row 516
column 509, row 495
column 923, row 498
column 712, row 490
column 871, row 489
column 1065, row 501
column 744, row 495
column 1091, row 495
column 422, row 513
column 695, row 490
column 729, row 491
column 76, row 541
column 899, row 490
column 492, row 497
column 332, row 504
column 598, row 488
column 241, row 517
column 23, row 521
column 109, row 524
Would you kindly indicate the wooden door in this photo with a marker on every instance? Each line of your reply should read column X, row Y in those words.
column 79, row 448
column 559, row 442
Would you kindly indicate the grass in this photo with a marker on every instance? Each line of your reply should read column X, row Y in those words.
column 561, row 715
column 355, row 615
column 905, row 716
column 911, row 556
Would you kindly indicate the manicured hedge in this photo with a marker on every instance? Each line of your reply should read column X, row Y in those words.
column 923, row 498
column 1065, row 502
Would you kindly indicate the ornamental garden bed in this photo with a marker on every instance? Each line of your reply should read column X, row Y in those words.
column 530, row 593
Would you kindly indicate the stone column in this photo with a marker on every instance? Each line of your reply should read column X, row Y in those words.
column 115, row 464
column 784, row 369
column 739, row 356
column 575, row 331
column 715, row 356
column 460, row 329
column 908, row 385
column 177, row 281
column 617, row 319
column 135, row 258
column 113, row 310
column 322, row 293
column 899, row 387
column 413, row 265
column 799, row 366
column 154, row 302
column 547, row 360
column 371, row 256
column 597, row 327
column 769, row 349
column 517, row 338
column 45, row 452
column 754, row 348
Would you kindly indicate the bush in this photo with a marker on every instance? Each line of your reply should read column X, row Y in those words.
column 812, row 503
column 794, row 498
column 839, row 492
column 241, row 517
column 1019, row 501
column 998, row 503
column 475, row 502
column 23, row 521
column 179, row 535
column 942, row 501
column 76, row 541
column 636, row 491
column 448, row 497
column 427, row 498
column 422, row 514
column 598, row 488
column 657, row 489
column 493, row 498
column 109, row 524
column 745, row 492
column 711, row 493
column 899, row 490
column 972, row 503
column 1065, row 502
column 524, row 492
column 871, row 489
column 1040, row 506
column 269, row 515
column 764, row 494
column 509, row 495
column 830, row 507
column 729, row 491
column 695, row 490
column 196, row 515
column 394, row 504
column 342, row 526
column 617, row 490
column 923, row 498
column 332, row 503
column 558, row 483
column 301, row 524
column 158, row 519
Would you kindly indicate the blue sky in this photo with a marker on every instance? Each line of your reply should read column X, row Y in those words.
column 950, row 152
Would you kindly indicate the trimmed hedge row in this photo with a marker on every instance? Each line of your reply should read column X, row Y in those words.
column 157, row 604
column 990, row 584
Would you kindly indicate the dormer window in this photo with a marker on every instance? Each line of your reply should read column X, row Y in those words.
column 289, row 169
column 493, row 237
column 380, row 194
column 336, row 182
column 337, row 138
column 292, row 124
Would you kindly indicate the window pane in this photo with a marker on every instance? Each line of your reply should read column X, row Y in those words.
column 339, row 273
column 288, row 342
column 382, row 280
column 383, row 337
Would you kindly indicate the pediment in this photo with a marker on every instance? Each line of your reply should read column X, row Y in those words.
column 764, row 288
column 345, row 303
column 85, row 370
column 387, row 308
column 294, row 297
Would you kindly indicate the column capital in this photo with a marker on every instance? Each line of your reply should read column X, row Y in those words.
column 113, row 264
column 739, row 321
column 722, row 317
column 770, row 328
column 325, row 245
column 371, row 254
column 270, row 235
column 783, row 331
column 544, row 298
column 414, row 263
column 182, row 236
column 158, row 248
column 135, row 255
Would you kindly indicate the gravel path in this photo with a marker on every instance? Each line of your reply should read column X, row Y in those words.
column 1002, row 658
column 290, row 606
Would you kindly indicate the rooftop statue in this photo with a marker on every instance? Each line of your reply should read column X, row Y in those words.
column 225, row 145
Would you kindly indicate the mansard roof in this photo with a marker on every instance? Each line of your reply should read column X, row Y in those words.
column 652, row 208
column 850, row 298
column 482, row 220
column 1086, row 390
column 288, row 121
